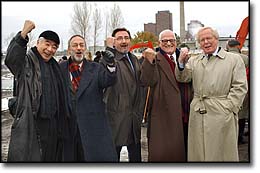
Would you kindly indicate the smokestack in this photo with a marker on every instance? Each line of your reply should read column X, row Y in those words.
column 182, row 22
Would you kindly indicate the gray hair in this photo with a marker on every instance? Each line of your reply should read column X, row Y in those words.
column 213, row 31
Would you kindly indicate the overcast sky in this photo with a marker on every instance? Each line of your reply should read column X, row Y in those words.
column 224, row 16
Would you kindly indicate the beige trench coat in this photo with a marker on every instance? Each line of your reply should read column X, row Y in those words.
column 220, row 86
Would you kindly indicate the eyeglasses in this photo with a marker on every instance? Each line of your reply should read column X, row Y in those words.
column 166, row 41
column 122, row 38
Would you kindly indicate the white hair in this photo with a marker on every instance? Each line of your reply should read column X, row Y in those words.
column 164, row 31
column 214, row 33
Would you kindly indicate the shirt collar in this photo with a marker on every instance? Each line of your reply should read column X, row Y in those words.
column 174, row 56
column 218, row 53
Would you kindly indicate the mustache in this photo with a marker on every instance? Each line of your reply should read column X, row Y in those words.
column 124, row 44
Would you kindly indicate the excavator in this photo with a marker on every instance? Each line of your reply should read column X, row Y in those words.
column 242, row 32
column 241, row 37
column 143, row 44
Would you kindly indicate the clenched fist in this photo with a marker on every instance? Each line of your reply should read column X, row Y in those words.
column 184, row 55
column 149, row 54
column 27, row 28
column 108, row 56
column 110, row 42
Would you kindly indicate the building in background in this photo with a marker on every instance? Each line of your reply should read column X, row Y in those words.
column 193, row 28
column 163, row 20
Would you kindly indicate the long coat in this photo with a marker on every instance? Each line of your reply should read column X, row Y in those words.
column 24, row 146
column 219, row 86
column 26, row 140
column 124, row 102
column 166, row 141
column 91, row 119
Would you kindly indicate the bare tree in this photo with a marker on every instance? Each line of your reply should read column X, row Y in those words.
column 116, row 17
column 81, row 19
column 8, row 39
column 107, row 15
column 31, row 43
column 97, row 25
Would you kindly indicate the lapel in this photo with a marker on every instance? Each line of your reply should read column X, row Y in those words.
column 86, row 77
column 163, row 63
column 65, row 69
column 204, row 60
column 134, row 62
column 121, row 57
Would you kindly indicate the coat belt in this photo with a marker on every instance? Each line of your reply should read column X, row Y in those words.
column 200, row 106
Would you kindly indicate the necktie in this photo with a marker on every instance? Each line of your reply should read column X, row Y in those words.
column 208, row 56
column 172, row 59
column 129, row 60
column 76, row 75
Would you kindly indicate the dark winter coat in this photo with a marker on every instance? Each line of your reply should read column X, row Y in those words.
column 124, row 102
column 90, row 117
column 25, row 143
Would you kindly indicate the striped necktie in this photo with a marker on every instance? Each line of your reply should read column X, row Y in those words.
column 76, row 75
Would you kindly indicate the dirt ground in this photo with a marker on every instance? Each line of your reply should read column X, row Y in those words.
column 6, row 127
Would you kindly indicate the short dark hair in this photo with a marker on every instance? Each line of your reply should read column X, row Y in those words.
column 98, row 53
column 184, row 45
column 64, row 57
column 120, row 29
column 233, row 42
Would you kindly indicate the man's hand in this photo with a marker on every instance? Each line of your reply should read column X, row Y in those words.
column 184, row 55
column 149, row 54
column 110, row 42
column 108, row 56
column 27, row 28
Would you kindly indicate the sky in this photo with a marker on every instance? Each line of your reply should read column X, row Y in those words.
column 226, row 17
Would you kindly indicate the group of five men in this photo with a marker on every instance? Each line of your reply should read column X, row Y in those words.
column 83, row 111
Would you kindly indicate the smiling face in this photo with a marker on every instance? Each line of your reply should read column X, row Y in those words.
column 77, row 48
column 208, row 40
column 46, row 48
column 167, row 41
column 122, row 41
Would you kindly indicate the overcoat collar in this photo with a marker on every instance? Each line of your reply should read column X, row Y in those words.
column 163, row 63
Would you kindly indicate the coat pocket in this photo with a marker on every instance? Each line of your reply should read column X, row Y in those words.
column 18, row 118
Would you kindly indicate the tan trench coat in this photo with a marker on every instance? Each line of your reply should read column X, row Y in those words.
column 220, row 86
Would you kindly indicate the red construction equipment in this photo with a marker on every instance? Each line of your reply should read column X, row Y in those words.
column 242, row 32
column 143, row 44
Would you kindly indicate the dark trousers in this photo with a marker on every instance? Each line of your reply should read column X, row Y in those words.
column 241, row 125
column 185, row 134
column 134, row 152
